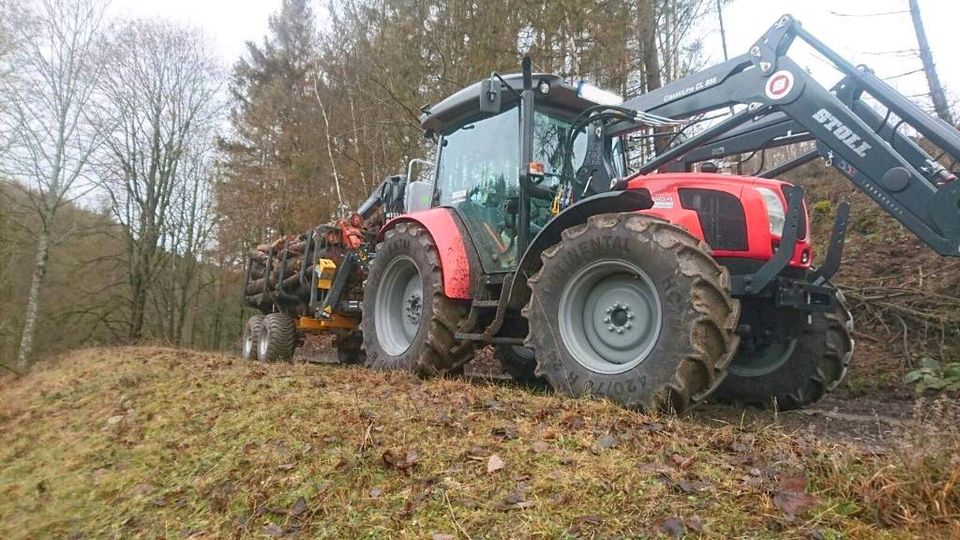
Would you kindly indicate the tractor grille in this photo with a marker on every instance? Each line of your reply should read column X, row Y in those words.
column 721, row 217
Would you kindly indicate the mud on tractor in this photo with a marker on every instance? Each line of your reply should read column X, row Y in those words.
column 655, row 288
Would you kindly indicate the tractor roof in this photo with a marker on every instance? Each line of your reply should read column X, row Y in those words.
column 465, row 104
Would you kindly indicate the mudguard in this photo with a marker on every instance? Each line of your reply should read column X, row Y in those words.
column 451, row 246
column 611, row 202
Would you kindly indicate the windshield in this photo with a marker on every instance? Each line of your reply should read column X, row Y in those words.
column 478, row 175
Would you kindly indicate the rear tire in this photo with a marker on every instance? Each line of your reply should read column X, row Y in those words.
column 633, row 309
column 408, row 323
column 278, row 338
column 251, row 337
column 808, row 367
column 519, row 362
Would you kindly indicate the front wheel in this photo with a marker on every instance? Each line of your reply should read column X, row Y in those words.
column 633, row 309
column 791, row 373
column 408, row 323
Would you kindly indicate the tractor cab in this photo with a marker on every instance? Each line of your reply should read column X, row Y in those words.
column 480, row 169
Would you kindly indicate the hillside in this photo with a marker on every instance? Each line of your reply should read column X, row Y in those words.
column 150, row 442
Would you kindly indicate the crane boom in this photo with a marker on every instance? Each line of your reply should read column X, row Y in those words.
column 783, row 104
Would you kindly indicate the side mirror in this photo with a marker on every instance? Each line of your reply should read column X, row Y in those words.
column 490, row 95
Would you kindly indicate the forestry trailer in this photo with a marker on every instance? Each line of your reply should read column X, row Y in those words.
column 655, row 288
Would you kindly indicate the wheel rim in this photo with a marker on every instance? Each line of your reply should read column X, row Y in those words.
column 763, row 361
column 399, row 306
column 264, row 342
column 248, row 344
column 610, row 316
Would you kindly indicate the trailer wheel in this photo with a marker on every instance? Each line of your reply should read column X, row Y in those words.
column 633, row 309
column 408, row 323
column 251, row 337
column 519, row 362
column 350, row 349
column 793, row 373
column 278, row 338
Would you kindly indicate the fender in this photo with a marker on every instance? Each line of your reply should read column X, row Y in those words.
column 610, row 202
column 451, row 245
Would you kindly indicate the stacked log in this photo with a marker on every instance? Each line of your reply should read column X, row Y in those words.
column 284, row 258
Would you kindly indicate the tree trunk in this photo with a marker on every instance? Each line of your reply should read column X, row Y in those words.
column 937, row 94
column 33, row 300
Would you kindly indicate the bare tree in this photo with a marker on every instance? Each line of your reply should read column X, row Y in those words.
column 162, row 85
column 937, row 95
column 54, row 71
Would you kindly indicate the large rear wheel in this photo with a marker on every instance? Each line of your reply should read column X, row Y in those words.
column 634, row 309
column 408, row 323
column 791, row 373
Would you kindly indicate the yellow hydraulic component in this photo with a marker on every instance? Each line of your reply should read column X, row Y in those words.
column 336, row 322
column 326, row 268
column 555, row 205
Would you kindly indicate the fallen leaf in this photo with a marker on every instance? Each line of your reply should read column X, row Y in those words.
column 680, row 461
column 494, row 464
column 299, row 506
column 272, row 530
column 505, row 433
column 400, row 460
column 690, row 486
column 591, row 519
column 607, row 441
column 791, row 497
column 540, row 447
column 439, row 536
column 672, row 527
column 573, row 421
column 695, row 523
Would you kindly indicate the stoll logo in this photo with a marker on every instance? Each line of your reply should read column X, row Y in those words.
column 842, row 132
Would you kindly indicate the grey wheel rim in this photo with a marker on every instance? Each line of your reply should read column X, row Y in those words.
column 763, row 361
column 610, row 316
column 248, row 345
column 399, row 306
column 263, row 345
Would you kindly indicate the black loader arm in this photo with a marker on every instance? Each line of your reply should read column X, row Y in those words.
column 876, row 150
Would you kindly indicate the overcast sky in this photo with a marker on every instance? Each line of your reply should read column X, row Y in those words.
column 863, row 40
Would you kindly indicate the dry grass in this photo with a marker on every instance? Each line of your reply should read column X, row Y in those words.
column 163, row 443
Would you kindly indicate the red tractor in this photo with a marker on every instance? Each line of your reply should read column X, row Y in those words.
column 656, row 288
column 659, row 288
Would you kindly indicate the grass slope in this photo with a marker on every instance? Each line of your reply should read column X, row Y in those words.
column 149, row 442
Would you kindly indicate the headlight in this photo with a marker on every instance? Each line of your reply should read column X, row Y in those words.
column 775, row 211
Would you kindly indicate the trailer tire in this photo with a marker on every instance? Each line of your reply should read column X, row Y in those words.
column 519, row 362
column 251, row 337
column 408, row 323
column 278, row 338
column 815, row 364
column 598, row 325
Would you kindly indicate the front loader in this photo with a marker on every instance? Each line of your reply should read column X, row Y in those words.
column 655, row 288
